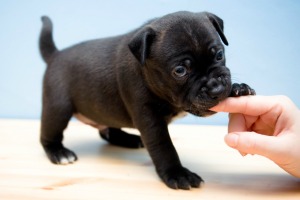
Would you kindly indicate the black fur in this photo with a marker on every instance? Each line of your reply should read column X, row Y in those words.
column 141, row 79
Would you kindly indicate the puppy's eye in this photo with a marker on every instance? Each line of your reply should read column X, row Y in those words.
column 180, row 71
column 219, row 55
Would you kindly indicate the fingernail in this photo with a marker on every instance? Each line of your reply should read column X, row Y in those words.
column 231, row 140
column 243, row 154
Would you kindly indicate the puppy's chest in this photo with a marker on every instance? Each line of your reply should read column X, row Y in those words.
column 168, row 113
column 179, row 115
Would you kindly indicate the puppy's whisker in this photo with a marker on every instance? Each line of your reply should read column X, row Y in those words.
column 140, row 79
column 234, row 78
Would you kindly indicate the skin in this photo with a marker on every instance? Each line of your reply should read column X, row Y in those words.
column 267, row 126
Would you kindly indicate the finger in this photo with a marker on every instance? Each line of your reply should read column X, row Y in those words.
column 249, row 105
column 236, row 123
column 253, row 143
column 241, row 123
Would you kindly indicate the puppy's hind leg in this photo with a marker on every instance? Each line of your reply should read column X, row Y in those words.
column 55, row 119
column 121, row 138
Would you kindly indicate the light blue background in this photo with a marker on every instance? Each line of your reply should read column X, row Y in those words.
column 263, row 35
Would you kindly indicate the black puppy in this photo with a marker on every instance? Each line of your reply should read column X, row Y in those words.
column 142, row 79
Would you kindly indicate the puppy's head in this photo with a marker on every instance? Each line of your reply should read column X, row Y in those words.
column 183, row 60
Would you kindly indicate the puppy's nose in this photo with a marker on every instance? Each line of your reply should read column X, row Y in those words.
column 215, row 87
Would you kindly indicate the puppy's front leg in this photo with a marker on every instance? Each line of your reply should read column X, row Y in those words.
column 156, row 138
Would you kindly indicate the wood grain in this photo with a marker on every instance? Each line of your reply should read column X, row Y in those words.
column 108, row 172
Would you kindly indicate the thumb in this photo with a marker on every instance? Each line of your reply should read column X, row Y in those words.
column 253, row 143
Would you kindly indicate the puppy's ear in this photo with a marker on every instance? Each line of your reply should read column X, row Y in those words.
column 218, row 24
column 140, row 44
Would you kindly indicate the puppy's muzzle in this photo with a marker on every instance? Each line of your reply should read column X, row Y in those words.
column 216, row 88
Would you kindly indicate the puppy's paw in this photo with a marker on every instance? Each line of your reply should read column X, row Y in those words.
column 241, row 90
column 180, row 178
column 60, row 155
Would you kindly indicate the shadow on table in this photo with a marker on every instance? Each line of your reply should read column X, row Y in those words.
column 245, row 183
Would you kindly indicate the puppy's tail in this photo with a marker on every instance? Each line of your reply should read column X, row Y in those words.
column 46, row 43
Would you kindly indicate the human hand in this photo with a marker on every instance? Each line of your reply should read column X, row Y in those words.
column 275, row 118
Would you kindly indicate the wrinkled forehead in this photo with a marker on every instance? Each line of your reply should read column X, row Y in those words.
column 188, row 35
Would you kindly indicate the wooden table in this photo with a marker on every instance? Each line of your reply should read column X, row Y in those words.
column 108, row 172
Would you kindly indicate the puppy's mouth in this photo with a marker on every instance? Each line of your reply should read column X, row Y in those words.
column 208, row 96
column 202, row 109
